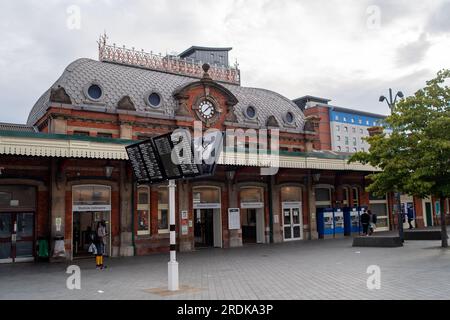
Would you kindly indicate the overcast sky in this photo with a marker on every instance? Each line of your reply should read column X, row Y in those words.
column 347, row 51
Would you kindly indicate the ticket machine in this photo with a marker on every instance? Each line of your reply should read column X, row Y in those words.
column 325, row 222
column 355, row 221
column 347, row 221
column 338, row 220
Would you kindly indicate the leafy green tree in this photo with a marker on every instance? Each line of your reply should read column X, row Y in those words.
column 415, row 155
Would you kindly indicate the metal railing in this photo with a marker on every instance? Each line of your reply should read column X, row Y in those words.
column 167, row 63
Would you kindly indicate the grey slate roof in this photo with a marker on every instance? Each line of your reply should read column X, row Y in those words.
column 17, row 127
column 120, row 80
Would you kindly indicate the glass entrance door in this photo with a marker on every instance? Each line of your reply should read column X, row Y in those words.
column 16, row 237
column 292, row 223
column 6, row 231
column 204, row 228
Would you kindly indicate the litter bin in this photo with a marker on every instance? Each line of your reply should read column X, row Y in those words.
column 59, row 250
column 42, row 249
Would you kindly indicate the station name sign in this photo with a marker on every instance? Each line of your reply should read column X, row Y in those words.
column 174, row 156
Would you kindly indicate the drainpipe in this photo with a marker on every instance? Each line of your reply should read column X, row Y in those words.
column 269, row 189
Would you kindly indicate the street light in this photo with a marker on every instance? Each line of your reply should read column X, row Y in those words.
column 391, row 103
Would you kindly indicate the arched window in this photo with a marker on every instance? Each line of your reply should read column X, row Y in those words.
column 323, row 197
column 163, row 209
column 143, row 210
column 355, row 197
column 345, row 197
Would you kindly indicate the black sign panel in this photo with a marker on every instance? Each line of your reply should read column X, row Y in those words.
column 211, row 147
column 137, row 163
column 182, row 142
column 163, row 147
column 151, row 161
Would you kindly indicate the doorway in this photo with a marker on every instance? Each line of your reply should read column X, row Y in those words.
column 429, row 214
column 207, row 228
column 207, row 217
column 252, row 225
column 85, row 225
column 91, row 204
column 16, row 237
column 292, row 221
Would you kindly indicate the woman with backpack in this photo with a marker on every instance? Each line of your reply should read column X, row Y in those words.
column 100, row 243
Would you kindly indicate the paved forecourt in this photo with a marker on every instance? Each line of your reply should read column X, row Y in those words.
column 322, row 269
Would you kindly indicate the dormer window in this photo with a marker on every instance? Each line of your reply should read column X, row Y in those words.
column 250, row 112
column 289, row 117
column 153, row 100
column 93, row 91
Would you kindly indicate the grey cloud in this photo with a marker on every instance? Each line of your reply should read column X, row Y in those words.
column 275, row 46
column 439, row 21
column 414, row 52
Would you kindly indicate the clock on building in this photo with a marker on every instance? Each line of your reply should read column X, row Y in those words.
column 206, row 110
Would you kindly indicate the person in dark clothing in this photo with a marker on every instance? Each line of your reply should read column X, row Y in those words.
column 365, row 221
column 410, row 218
column 372, row 221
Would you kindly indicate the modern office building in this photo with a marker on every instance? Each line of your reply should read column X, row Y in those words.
column 341, row 129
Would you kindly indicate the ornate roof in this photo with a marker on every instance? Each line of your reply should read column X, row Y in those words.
column 16, row 127
column 118, row 81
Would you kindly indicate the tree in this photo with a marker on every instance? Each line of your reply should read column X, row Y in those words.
column 414, row 155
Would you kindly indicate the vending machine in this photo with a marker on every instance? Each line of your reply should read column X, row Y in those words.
column 355, row 221
column 347, row 221
column 338, row 219
column 325, row 222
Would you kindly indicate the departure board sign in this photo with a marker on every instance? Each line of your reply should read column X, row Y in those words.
column 163, row 148
column 137, row 163
column 182, row 151
column 151, row 161
column 171, row 156
column 210, row 147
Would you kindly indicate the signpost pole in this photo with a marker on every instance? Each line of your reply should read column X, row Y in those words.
column 172, row 264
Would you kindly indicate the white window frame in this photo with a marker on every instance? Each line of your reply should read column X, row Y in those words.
column 163, row 207
column 144, row 207
column 385, row 202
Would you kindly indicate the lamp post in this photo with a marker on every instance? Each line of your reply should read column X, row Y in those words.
column 172, row 265
column 391, row 103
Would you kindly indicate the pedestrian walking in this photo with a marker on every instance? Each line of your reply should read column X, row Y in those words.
column 410, row 214
column 100, row 244
column 365, row 220
column 372, row 221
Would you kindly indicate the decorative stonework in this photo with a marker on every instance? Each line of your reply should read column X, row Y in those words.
column 126, row 104
column 182, row 109
column 272, row 122
column 171, row 64
column 311, row 123
column 59, row 95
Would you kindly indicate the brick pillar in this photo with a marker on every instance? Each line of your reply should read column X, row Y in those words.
column 185, row 241
column 312, row 209
column 126, row 229
column 126, row 131
column 58, row 126
column 277, row 223
column 235, row 236
column 59, row 221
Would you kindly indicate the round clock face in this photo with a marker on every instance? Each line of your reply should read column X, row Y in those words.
column 206, row 109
